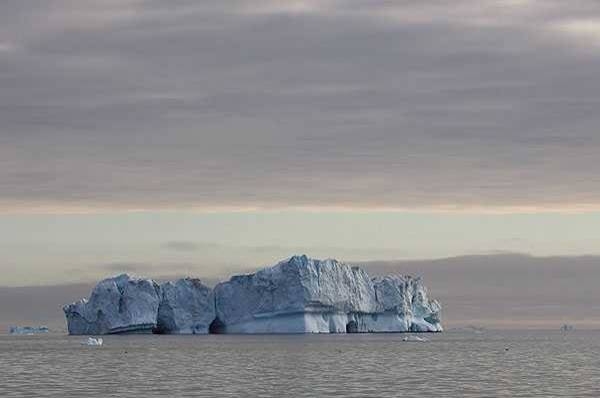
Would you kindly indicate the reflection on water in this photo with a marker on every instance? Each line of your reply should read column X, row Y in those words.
column 452, row 364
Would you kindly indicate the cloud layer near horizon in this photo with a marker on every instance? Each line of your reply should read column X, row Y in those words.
column 139, row 104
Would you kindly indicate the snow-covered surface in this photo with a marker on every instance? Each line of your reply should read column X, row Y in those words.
column 298, row 295
column 27, row 330
column 186, row 307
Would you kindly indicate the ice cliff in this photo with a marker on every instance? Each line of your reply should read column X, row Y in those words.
column 298, row 295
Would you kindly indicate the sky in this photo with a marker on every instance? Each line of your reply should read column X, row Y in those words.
column 217, row 136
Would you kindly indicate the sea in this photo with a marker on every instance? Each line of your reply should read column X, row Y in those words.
column 461, row 363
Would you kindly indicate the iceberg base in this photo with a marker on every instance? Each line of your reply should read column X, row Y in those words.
column 330, row 322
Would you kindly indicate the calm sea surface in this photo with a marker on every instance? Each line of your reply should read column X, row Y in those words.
column 451, row 364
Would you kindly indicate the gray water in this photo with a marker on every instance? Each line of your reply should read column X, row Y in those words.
column 451, row 364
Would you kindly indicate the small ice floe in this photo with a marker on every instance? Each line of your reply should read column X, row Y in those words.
column 92, row 341
column 564, row 329
column 414, row 338
column 27, row 330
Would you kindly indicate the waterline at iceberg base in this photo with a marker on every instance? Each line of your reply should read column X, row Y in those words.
column 298, row 295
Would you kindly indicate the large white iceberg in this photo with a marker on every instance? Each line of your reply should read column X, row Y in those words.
column 298, row 295
column 302, row 295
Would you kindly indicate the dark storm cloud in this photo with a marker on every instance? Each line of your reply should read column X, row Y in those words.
column 137, row 104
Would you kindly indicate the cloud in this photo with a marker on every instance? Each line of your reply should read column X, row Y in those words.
column 586, row 30
column 6, row 47
column 142, row 269
column 124, row 267
column 186, row 246
column 337, row 104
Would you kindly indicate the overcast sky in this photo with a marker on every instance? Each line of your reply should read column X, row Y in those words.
column 408, row 129
column 147, row 104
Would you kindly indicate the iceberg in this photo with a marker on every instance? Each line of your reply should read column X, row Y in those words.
column 27, row 330
column 124, row 304
column 121, row 304
column 303, row 295
column 297, row 295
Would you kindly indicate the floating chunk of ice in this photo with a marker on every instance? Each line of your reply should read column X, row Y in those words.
column 28, row 330
column 415, row 339
column 92, row 341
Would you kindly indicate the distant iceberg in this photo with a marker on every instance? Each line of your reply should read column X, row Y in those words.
column 27, row 330
column 298, row 295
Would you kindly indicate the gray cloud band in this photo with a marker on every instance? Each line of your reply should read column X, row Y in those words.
column 136, row 105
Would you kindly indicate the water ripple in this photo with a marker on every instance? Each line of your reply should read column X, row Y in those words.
column 494, row 364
